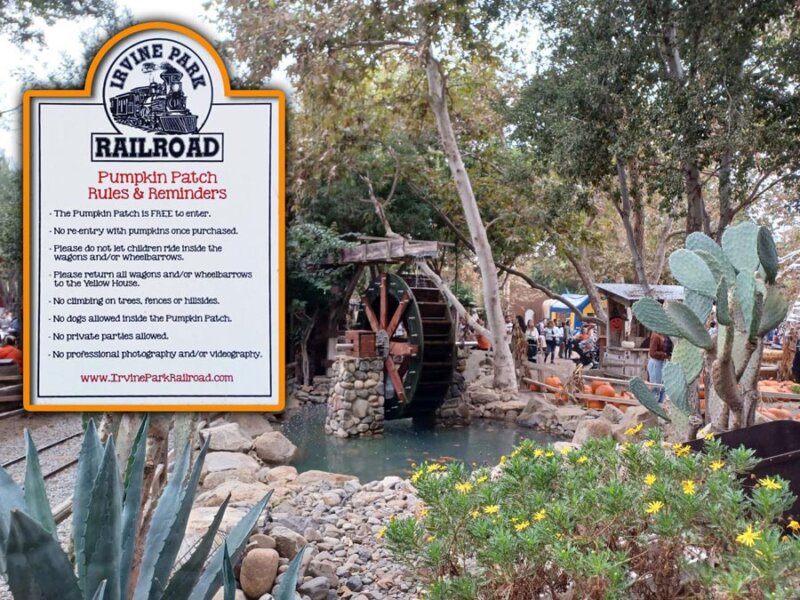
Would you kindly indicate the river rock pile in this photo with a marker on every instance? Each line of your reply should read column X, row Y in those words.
column 337, row 517
column 355, row 404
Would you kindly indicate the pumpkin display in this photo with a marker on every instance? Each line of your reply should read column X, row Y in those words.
column 597, row 384
column 606, row 390
column 553, row 381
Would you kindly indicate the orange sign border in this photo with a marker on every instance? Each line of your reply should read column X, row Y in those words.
column 27, row 98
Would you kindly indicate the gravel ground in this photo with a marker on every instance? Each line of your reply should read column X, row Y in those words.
column 45, row 429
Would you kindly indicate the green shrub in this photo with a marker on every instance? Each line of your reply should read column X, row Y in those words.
column 639, row 520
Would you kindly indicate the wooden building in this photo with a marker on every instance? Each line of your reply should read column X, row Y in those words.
column 629, row 359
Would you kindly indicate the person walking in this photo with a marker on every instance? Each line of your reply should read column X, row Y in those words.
column 657, row 356
column 532, row 337
column 550, row 339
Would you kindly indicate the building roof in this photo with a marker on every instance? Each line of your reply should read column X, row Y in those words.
column 631, row 292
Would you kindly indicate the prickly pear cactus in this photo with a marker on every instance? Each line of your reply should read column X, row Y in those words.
column 738, row 278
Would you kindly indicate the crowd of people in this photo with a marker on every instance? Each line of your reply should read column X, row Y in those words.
column 9, row 333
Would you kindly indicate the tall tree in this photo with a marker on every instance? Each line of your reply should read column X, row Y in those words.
column 334, row 44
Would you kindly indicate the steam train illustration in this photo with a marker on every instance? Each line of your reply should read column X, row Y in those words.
column 159, row 107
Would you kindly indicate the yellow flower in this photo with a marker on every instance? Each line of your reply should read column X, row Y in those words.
column 748, row 537
column 475, row 514
column 482, row 479
column 717, row 465
column 566, row 450
column 649, row 479
column 785, row 538
column 432, row 468
column 415, row 477
column 794, row 525
column 492, row 509
column 538, row 453
column 688, row 487
column 464, row 488
column 381, row 532
column 770, row 483
column 429, row 539
column 423, row 513
column 709, row 436
column 681, row 449
column 549, row 454
column 634, row 430
column 654, row 507
column 516, row 452
column 540, row 515
column 582, row 460
column 649, row 444
column 522, row 525
column 559, row 536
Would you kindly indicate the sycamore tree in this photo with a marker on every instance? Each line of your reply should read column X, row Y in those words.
column 329, row 47
column 690, row 106
column 10, row 237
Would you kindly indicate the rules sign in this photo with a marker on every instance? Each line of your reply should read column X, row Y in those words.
column 154, row 234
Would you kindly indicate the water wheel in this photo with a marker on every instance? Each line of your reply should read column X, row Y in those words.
column 415, row 336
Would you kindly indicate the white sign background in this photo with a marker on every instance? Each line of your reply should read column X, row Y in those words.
column 62, row 171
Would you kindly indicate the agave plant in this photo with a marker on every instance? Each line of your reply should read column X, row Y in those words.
column 106, row 519
column 739, row 277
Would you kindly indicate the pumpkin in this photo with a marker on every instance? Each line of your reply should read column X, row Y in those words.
column 597, row 384
column 553, row 381
column 587, row 389
column 598, row 404
column 533, row 387
column 606, row 390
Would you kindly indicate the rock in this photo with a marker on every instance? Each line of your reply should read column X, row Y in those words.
column 227, row 461
column 287, row 542
column 252, row 424
column 562, row 447
column 321, row 568
column 220, row 595
column 248, row 494
column 316, row 477
column 480, row 394
column 259, row 568
column 569, row 416
column 538, row 414
column 212, row 480
column 283, row 473
column 611, row 413
column 228, row 437
column 360, row 408
column 200, row 519
column 316, row 588
column 267, row 597
column 274, row 448
column 261, row 540
column 354, row 583
column 589, row 429
column 638, row 414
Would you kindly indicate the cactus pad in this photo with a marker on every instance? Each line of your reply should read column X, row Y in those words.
column 646, row 398
column 767, row 254
column 701, row 305
column 676, row 386
column 650, row 314
column 774, row 312
column 690, row 327
column 690, row 358
column 692, row 272
column 740, row 246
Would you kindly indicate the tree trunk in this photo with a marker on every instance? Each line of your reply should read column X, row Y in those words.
column 660, row 258
column 625, row 211
column 504, row 375
column 584, row 270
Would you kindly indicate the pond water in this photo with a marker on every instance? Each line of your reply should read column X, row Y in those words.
column 402, row 444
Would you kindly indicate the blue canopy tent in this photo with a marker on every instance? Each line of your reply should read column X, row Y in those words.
column 558, row 310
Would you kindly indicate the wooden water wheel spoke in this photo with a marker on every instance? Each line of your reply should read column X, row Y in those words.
column 371, row 317
column 398, row 314
column 397, row 382
column 384, row 300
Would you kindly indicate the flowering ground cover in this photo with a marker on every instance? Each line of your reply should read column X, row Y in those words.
column 638, row 520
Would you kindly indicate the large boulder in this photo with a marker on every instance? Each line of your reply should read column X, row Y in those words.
column 200, row 519
column 287, row 542
column 316, row 477
column 227, row 437
column 282, row 473
column 252, row 424
column 569, row 417
column 274, row 448
column 247, row 494
column 638, row 414
column 480, row 394
column 212, row 480
column 592, row 428
column 611, row 413
column 259, row 569
column 538, row 414
column 228, row 461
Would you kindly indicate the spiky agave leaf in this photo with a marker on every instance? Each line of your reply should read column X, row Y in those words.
column 228, row 579
column 134, row 480
column 289, row 582
column 11, row 498
column 89, row 459
column 38, row 569
column 38, row 506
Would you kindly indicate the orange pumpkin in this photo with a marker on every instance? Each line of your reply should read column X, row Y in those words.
column 597, row 384
column 587, row 389
column 598, row 404
column 533, row 387
column 553, row 381
column 606, row 390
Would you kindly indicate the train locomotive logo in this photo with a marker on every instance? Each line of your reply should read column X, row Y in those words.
column 159, row 86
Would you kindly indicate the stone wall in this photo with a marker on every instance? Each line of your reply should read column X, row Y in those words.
column 454, row 411
column 355, row 403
